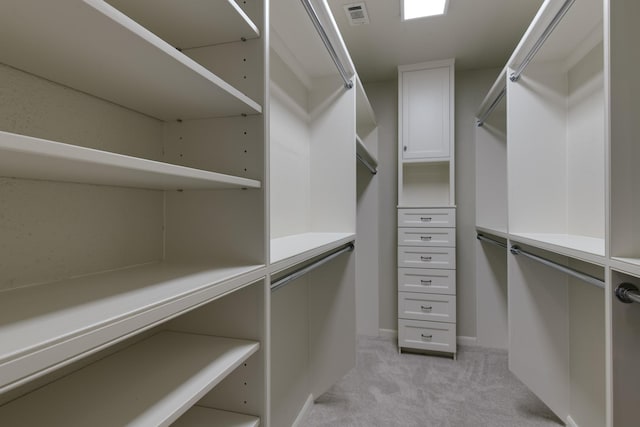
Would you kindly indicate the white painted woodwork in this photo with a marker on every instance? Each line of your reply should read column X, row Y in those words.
column 426, row 110
column 589, row 249
column 426, row 184
column 365, row 153
column 427, row 217
column 44, row 326
column 432, row 281
column 365, row 117
column 428, row 237
column 427, row 257
column 199, row 416
column 423, row 335
column 91, row 61
column 432, row 307
column 149, row 383
column 34, row 158
column 291, row 250
column 491, row 295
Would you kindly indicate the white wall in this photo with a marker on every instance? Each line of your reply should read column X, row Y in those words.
column 471, row 87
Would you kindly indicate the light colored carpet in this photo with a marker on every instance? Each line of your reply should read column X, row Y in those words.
column 387, row 389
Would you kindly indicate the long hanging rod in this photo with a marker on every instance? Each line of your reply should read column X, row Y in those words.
column 628, row 293
column 545, row 35
column 304, row 270
column 483, row 238
column 492, row 107
column 325, row 39
column 570, row 271
column 368, row 165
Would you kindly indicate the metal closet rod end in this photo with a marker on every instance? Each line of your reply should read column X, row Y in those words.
column 625, row 292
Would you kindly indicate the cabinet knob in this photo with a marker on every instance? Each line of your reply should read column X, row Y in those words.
column 426, row 307
column 425, row 258
column 426, row 337
column 405, row 148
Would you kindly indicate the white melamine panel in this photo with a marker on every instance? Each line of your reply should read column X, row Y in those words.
column 425, row 184
column 491, row 296
column 290, row 250
column 200, row 416
column 427, row 217
column 425, row 112
column 433, row 336
column 539, row 346
column 589, row 249
column 190, row 23
column 426, row 237
column 432, row 307
column 427, row 257
column 89, row 52
column 33, row 158
column 365, row 117
column 149, row 383
column 365, row 153
column 48, row 325
column 427, row 280
column 332, row 322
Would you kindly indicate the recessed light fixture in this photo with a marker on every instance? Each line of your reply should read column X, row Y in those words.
column 412, row 9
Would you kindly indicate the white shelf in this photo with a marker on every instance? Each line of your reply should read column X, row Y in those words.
column 291, row 250
column 92, row 47
column 191, row 24
column 199, row 416
column 365, row 117
column 626, row 265
column 588, row 249
column 364, row 152
column 45, row 327
column 492, row 231
column 150, row 383
column 34, row 158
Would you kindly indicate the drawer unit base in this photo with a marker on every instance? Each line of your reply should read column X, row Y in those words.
column 423, row 335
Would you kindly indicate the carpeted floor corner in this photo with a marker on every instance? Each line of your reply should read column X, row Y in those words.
column 388, row 389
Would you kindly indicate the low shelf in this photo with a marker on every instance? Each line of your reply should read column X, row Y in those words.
column 199, row 416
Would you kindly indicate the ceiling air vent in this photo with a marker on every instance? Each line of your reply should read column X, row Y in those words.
column 357, row 13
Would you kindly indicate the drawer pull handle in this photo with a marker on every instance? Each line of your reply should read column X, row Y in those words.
column 426, row 337
column 425, row 238
column 426, row 282
column 426, row 307
column 425, row 258
column 425, row 218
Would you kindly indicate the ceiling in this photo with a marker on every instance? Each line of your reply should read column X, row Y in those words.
column 477, row 33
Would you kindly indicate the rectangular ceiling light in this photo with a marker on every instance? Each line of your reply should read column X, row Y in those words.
column 412, row 9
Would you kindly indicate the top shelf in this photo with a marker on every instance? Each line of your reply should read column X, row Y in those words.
column 93, row 47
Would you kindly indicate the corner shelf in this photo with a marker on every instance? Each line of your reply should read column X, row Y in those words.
column 589, row 249
column 291, row 250
column 199, row 416
column 34, row 158
column 87, row 44
column 47, row 326
column 149, row 383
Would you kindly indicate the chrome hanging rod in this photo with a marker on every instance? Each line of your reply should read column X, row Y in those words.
column 628, row 293
column 304, row 270
column 545, row 35
column 368, row 165
column 325, row 39
column 570, row 271
column 492, row 107
column 483, row 238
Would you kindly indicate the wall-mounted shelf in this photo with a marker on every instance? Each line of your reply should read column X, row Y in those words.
column 84, row 45
column 588, row 249
column 199, row 416
column 291, row 250
column 149, row 383
column 49, row 325
column 34, row 158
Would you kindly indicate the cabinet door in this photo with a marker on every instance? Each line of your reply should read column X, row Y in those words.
column 426, row 113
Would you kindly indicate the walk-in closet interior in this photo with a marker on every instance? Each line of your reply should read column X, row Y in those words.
column 207, row 205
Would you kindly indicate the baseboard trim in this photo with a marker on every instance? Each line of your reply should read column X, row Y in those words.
column 388, row 333
column 303, row 412
column 469, row 341
column 570, row 422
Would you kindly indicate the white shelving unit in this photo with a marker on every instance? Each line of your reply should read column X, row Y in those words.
column 199, row 416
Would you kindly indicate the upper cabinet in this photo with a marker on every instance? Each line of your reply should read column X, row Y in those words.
column 426, row 110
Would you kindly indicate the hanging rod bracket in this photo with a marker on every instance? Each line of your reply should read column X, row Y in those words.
column 627, row 293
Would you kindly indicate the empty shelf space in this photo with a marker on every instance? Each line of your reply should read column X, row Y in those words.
column 150, row 383
column 45, row 326
column 94, row 48
column 291, row 250
column 190, row 24
column 363, row 151
column 34, row 158
column 492, row 231
column 199, row 416
column 588, row 249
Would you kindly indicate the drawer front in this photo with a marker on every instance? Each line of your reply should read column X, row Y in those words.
column 423, row 335
column 427, row 237
column 430, row 281
column 442, row 217
column 436, row 257
column 432, row 307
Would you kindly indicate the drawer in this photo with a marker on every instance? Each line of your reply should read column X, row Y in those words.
column 432, row 307
column 427, row 280
column 427, row 217
column 422, row 335
column 429, row 257
column 427, row 237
